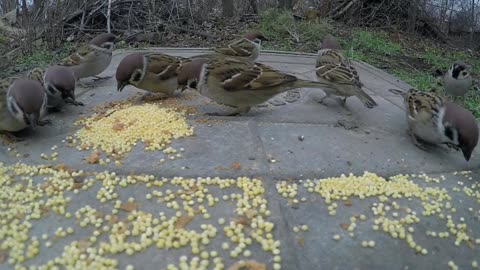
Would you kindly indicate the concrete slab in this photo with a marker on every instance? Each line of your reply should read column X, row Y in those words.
column 300, row 139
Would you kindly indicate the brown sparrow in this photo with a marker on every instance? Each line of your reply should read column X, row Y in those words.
column 153, row 72
column 247, row 47
column 338, row 71
column 435, row 120
column 59, row 84
column 23, row 104
column 457, row 79
column 93, row 59
column 242, row 84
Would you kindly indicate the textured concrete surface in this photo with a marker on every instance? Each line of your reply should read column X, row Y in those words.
column 306, row 140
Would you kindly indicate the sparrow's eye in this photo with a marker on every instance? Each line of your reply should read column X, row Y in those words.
column 464, row 73
column 107, row 45
column 136, row 76
column 449, row 132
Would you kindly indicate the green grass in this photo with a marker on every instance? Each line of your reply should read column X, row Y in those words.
column 40, row 57
column 376, row 48
column 374, row 42
column 411, row 61
column 280, row 28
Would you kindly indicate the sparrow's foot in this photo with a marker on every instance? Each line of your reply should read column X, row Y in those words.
column 98, row 78
column 292, row 96
column 75, row 103
column 45, row 122
column 416, row 142
column 342, row 101
column 84, row 85
column 320, row 100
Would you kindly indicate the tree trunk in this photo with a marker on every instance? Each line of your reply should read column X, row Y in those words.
column 472, row 31
column 285, row 4
column 7, row 6
column 324, row 11
column 228, row 8
column 24, row 9
column 412, row 17
column 253, row 4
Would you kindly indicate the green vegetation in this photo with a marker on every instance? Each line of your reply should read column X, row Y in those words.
column 283, row 30
column 40, row 57
column 413, row 61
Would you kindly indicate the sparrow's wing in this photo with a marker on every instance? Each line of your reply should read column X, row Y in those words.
column 238, row 48
column 162, row 65
column 83, row 55
column 422, row 106
column 332, row 66
column 238, row 75
column 36, row 74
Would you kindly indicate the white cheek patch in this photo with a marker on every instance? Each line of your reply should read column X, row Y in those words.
column 202, row 81
column 138, row 73
column 52, row 90
column 14, row 109
column 43, row 110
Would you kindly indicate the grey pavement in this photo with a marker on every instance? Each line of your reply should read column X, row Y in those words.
column 306, row 140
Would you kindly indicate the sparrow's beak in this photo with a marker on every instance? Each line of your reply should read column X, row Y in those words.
column 467, row 153
column 33, row 120
column 121, row 85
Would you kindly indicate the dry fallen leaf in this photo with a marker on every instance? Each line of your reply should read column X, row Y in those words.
column 128, row 206
column 147, row 143
column 83, row 245
column 247, row 265
column 113, row 219
column 250, row 213
column 93, row 158
column 77, row 185
column 61, row 167
column 118, row 126
column 347, row 203
column 183, row 221
column 236, row 166
column 344, row 226
column 301, row 241
column 3, row 256
column 242, row 220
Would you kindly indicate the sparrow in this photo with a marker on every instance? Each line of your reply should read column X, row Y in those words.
column 457, row 79
column 248, row 47
column 436, row 120
column 338, row 72
column 23, row 104
column 59, row 84
column 189, row 74
column 92, row 59
column 241, row 84
column 153, row 72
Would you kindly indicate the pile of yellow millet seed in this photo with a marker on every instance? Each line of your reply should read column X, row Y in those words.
column 123, row 127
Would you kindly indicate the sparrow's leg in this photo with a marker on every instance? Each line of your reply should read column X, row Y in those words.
column 75, row 103
column 343, row 101
column 45, row 122
column 416, row 141
column 98, row 78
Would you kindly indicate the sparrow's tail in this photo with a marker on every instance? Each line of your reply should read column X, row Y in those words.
column 311, row 84
column 366, row 99
column 397, row 92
